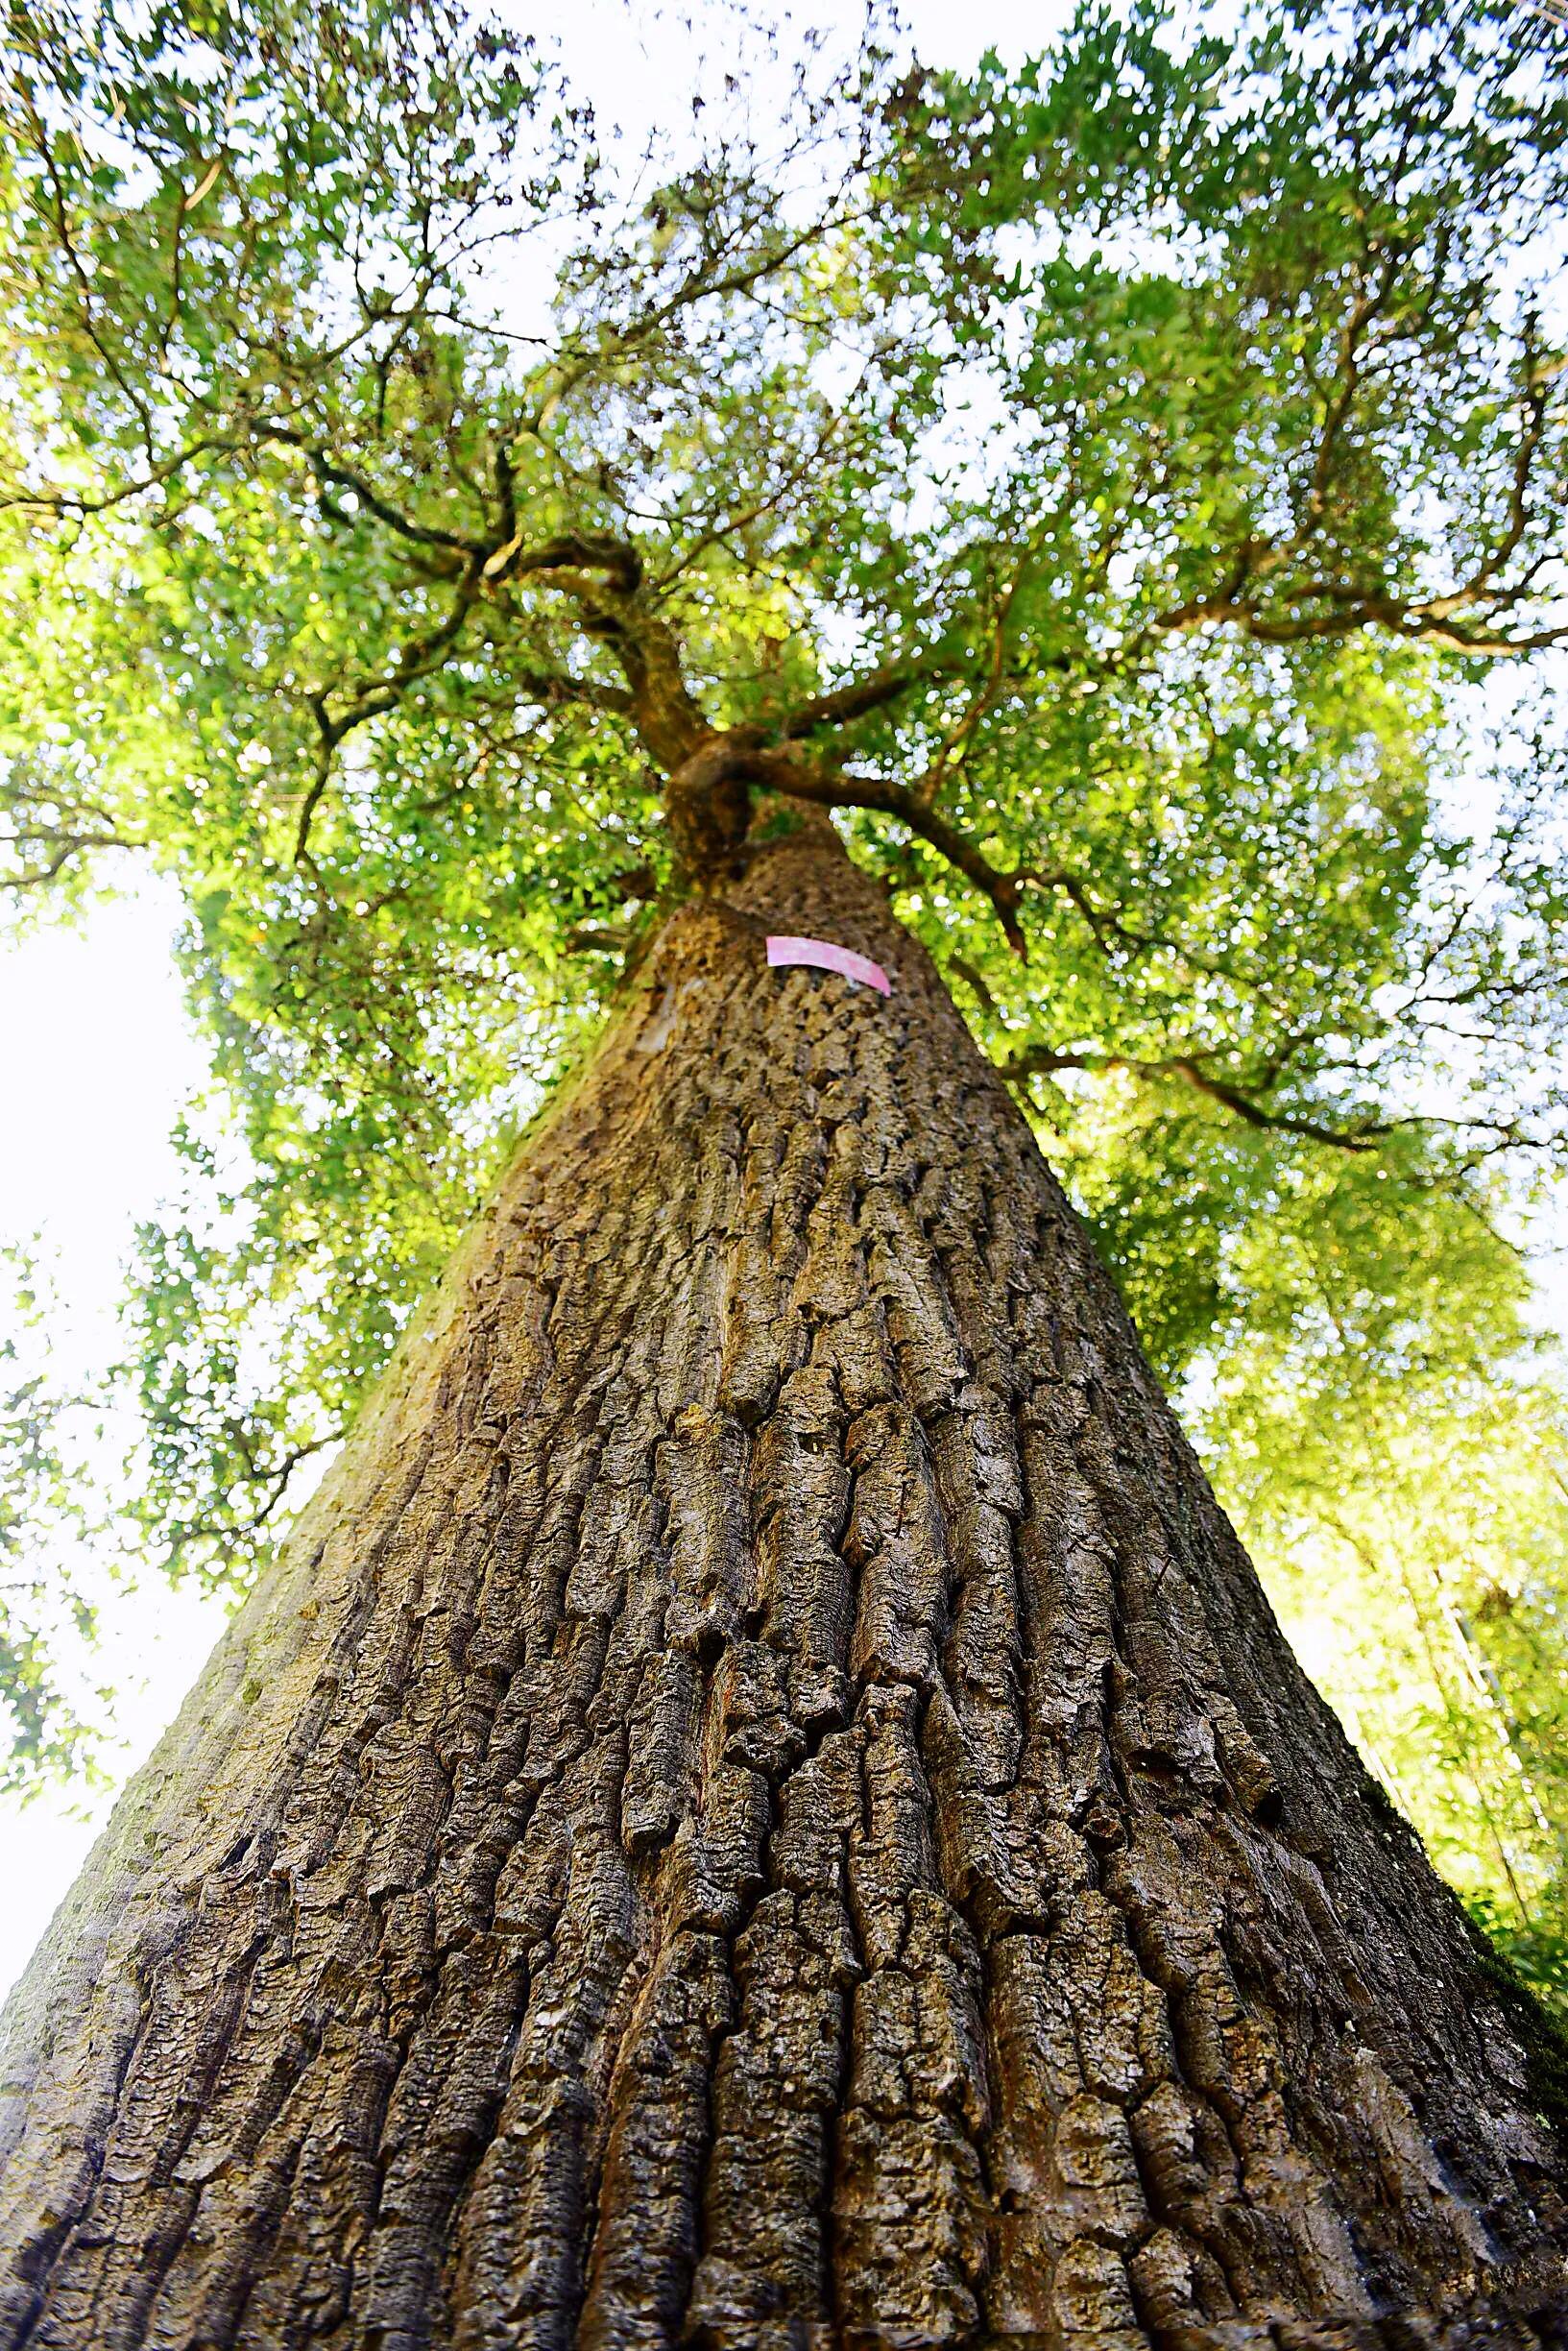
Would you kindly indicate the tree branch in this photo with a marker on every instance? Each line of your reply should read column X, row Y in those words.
column 833, row 789
column 1039, row 1061
column 576, row 551
column 416, row 660
column 1359, row 607
column 349, row 477
column 422, row 654
column 842, row 703
column 65, row 846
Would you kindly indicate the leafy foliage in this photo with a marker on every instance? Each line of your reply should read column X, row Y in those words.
column 1106, row 486
column 1396, row 1450
column 41, row 1710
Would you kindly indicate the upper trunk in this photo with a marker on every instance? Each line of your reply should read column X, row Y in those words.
column 764, row 1805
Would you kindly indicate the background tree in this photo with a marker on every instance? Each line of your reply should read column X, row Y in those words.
column 1100, row 488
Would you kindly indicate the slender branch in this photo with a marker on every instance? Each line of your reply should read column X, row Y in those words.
column 953, row 744
column 208, row 1531
column 426, row 653
column 842, row 703
column 1357, row 608
column 416, row 660
column 67, row 846
column 1357, row 605
column 349, row 477
column 1039, row 1061
column 973, row 981
column 728, row 526
column 835, row 788
column 552, row 686
column 62, row 228
column 66, row 502
column 1537, row 385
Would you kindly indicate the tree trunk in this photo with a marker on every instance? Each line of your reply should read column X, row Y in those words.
column 764, row 1805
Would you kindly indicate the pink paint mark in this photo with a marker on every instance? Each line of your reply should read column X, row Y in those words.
column 826, row 956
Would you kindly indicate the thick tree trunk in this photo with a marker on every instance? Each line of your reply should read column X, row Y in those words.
column 764, row 1805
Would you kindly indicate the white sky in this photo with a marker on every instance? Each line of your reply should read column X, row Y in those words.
column 96, row 1058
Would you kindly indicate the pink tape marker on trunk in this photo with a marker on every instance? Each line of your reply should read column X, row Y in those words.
column 826, row 956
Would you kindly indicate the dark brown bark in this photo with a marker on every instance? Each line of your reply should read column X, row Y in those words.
column 764, row 1805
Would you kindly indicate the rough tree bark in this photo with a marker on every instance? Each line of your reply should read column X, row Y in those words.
column 764, row 1805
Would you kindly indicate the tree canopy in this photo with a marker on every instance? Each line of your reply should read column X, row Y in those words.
column 1128, row 491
